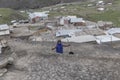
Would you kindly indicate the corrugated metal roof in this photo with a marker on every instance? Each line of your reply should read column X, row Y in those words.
column 67, row 32
column 113, row 31
column 80, row 39
column 76, row 20
column 39, row 14
column 106, row 38
column 71, row 17
column 4, row 27
column 4, row 32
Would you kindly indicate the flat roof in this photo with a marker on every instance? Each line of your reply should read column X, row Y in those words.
column 4, row 27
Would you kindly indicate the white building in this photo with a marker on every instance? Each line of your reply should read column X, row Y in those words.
column 113, row 31
column 80, row 39
column 100, row 3
column 65, row 20
column 76, row 20
column 62, row 33
column 38, row 16
column 72, row 20
column 4, row 29
column 106, row 38
column 101, row 9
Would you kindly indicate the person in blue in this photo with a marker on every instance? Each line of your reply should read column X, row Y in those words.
column 59, row 47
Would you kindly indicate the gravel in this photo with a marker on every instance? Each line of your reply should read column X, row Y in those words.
column 38, row 62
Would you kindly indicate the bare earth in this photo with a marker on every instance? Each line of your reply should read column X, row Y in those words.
column 36, row 61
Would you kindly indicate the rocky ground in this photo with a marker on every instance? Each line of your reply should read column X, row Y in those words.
column 36, row 61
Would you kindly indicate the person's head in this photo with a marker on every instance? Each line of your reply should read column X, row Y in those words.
column 59, row 42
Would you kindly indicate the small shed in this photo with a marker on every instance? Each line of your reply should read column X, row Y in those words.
column 106, row 39
column 66, row 33
column 100, row 3
column 70, row 17
column 101, row 9
column 37, row 16
column 80, row 39
column 4, row 29
column 77, row 21
column 105, row 25
column 114, row 31
column 66, row 20
column 72, row 20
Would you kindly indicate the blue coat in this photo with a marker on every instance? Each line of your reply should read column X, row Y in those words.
column 59, row 48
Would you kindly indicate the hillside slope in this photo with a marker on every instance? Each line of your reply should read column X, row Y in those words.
column 9, row 14
column 23, row 4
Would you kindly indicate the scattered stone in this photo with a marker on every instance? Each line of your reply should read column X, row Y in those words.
column 2, row 72
column 5, row 62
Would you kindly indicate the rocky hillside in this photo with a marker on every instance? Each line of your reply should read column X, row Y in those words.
column 18, row 4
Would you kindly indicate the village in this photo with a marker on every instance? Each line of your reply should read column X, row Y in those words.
column 24, row 44
column 70, row 28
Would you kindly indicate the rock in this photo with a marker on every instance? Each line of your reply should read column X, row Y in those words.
column 5, row 62
column 2, row 72
column 10, row 60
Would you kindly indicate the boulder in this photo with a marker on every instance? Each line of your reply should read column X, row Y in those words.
column 2, row 72
column 5, row 62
